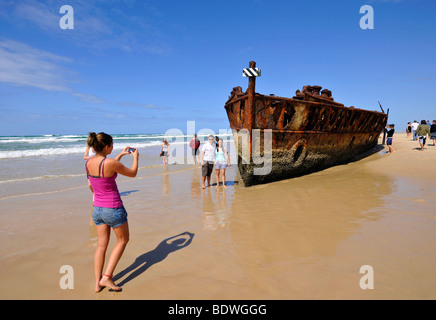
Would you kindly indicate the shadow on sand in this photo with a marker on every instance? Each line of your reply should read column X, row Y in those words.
column 146, row 260
column 126, row 193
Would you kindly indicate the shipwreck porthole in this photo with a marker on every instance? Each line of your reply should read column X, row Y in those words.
column 299, row 152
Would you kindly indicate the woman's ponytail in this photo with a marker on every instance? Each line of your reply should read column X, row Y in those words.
column 99, row 141
column 91, row 138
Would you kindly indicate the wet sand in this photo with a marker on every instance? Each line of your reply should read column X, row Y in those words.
column 303, row 238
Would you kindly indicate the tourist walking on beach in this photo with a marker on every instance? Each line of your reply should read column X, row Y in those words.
column 164, row 150
column 108, row 209
column 415, row 125
column 409, row 129
column 433, row 132
column 221, row 163
column 89, row 152
column 422, row 131
column 390, row 137
column 207, row 158
column 195, row 145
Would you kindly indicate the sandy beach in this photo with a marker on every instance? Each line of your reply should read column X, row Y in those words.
column 303, row 238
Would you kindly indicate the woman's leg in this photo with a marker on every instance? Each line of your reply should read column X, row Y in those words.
column 223, row 174
column 122, row 233
column 103, row 233
column 217, row 171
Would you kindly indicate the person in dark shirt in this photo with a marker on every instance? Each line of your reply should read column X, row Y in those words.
column 390, row 137
column 433, row 132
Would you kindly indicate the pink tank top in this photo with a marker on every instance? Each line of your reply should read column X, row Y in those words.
column 106, row 192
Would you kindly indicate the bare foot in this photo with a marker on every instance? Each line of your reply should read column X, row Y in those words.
column 98, row 288
column 203, row 187
column 108, row 282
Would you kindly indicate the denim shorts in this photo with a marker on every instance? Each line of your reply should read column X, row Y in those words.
column 389, row 141
column 113, row 217
column 220, row 165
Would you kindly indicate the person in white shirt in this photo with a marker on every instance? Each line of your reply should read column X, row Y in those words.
column 207, row 159
column 415, row 125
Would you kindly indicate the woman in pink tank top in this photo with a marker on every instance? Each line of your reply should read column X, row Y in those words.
column 108, row 209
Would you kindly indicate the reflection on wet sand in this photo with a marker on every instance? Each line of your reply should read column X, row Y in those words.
column 196, row 185
column 165, row 181
column 215, row 208
column 306, row 216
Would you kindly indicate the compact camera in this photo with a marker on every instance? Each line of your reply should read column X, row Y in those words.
column 130, row 150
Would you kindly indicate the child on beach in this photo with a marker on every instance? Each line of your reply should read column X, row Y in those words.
column 422, row 131
column 108, row 209
column 221, row 163
column 164, row 150
column 390, row 137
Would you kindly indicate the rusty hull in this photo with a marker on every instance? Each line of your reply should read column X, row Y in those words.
column 310, row 132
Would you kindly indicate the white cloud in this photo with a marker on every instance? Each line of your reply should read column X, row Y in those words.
column 39, row 13
column 130, row 104
column 95, row 29
column 88, row 98
column 23, row 65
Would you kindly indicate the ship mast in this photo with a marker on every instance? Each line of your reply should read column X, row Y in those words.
column 250, row 101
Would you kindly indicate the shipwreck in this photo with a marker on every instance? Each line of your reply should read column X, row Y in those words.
column 303, row 134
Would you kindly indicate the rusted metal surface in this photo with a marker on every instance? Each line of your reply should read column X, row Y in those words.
column 310, row 132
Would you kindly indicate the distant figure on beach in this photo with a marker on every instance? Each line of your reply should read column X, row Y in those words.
column 216, row 140
column 195, row 145
column 207, row 158
column 89, row 152
column 433, row 132
column 415, row 125
column 409, row 129
column 422, row 132
column 390, row 137
column 108, row 209
column 164, row 150
column 222, row 161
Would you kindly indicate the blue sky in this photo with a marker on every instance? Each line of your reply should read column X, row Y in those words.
column 148, row 66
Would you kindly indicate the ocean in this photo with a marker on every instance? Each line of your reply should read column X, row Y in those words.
column 35, row 164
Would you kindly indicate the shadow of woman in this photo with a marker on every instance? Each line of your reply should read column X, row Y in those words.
column 146, row 260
